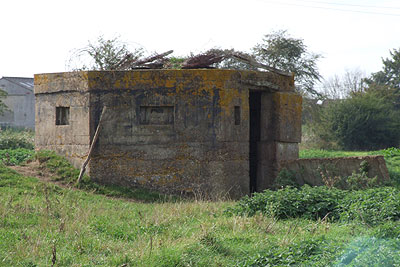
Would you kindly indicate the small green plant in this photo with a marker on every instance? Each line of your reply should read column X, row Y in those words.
column 329, row 176
column 361, row 180
column 389, row 229
column 17, row 156
column 391, row 152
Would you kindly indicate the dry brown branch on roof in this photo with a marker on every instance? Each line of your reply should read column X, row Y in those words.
column 205, row 60
column 156, row 61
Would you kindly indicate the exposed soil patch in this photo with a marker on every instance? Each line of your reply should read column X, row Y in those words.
column 33, row 169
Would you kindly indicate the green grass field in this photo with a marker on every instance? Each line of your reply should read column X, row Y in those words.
column 42, row 224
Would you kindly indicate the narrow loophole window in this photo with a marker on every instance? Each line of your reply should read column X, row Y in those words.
column 62, row 115
column 237, row 115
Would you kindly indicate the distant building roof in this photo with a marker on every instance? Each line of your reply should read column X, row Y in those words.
column 26, row 83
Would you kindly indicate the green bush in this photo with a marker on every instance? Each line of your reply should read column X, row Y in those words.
column 13, row 139
column 364, row 121
column 372, row 206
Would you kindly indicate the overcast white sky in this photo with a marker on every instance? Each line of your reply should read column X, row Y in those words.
column 38, row 36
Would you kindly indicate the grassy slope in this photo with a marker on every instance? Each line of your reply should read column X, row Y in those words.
column 86, row 228
column 90, row 229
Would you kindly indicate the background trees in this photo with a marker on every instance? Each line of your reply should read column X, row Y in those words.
column 363, row 121
column 277, row 50
column 366, row 113
column 390, row 74
column 340, row 87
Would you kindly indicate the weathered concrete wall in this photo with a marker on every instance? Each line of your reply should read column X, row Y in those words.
column 62, row 90
column 308, row 171
column 280, row 134
column 176, row 131
column 173, row 131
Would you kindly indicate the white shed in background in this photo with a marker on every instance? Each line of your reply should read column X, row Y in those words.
column 20, row 102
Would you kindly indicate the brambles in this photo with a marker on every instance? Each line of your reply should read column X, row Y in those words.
column 372, row 206
column 306, row 202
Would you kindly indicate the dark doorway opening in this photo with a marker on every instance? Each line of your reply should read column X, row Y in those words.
column 255, row 132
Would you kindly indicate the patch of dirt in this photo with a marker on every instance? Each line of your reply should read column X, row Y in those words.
column 33, row 169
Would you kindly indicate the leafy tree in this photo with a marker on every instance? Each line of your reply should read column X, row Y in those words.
column 281, row 51
column 104, row 54
column 387, row 81
column 390, row 75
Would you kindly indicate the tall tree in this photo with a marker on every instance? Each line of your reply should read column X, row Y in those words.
column 280, row 50
column 104, row 54
column 390, row 75
column 387, row 81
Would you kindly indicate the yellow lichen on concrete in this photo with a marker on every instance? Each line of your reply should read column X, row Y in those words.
column 288, row 108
